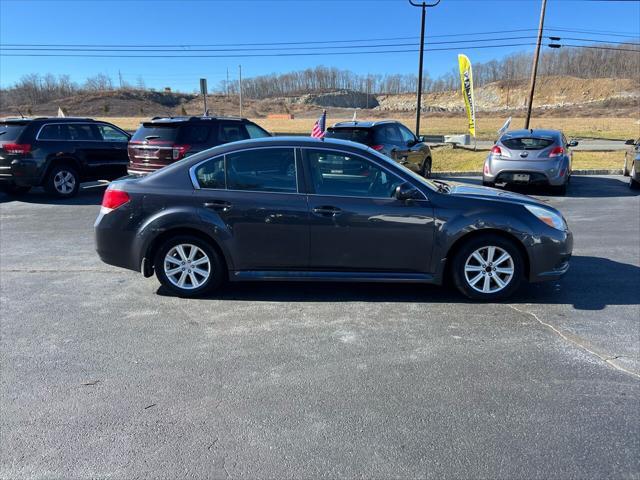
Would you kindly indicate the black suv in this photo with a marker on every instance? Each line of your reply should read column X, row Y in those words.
column 390, row 138
column 164, row 140
column 58, row 153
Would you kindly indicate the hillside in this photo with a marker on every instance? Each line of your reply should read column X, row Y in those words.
column 562, row 96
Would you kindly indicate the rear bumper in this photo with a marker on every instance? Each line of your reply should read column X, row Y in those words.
column 114, row 244
column 24, row 173
column 541, row 172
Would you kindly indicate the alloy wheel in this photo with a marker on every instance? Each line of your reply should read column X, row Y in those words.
column 489, row 269
column 64, row 182
column 187, row 266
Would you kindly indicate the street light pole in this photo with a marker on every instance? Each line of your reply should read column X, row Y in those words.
column 424, row 7
column 534, row 69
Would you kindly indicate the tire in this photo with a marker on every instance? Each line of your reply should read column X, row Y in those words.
column 62, row 181
column 466, row 264
column 633, row 183
column 179, row 248
column 14, row 190
column 561, row 190
column 625, row 169
column 425, row 170
column 488, row 184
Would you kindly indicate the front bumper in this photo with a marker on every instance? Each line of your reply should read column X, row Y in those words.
column 541, row 172
column 550, row 255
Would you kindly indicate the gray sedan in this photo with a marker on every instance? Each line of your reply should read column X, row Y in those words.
column 535, row 157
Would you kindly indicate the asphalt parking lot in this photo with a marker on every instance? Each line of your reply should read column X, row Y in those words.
column 104, row 375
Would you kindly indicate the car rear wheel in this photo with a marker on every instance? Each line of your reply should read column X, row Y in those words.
column 188, row 266
column 63, row 181
column 488, row 268
column 488, row 184
column 560, row 190
column 633, row 183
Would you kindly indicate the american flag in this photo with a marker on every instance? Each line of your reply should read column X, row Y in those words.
column 319, row 126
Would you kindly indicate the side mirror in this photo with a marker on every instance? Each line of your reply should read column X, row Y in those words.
column 573, row 143
column 406, row 192
column 422, row 139
column 631, row 141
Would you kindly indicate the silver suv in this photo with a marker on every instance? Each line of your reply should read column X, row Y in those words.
column 530, row 157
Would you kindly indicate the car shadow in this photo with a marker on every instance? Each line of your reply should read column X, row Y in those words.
column 592, row 283
column 87, row 195
column 581, row 186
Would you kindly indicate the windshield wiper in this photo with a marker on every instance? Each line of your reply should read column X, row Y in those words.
column 151, row 137
column 2, row 133
column 442, row 186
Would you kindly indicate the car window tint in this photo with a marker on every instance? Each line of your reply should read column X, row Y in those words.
column 342, row 174
column 264, row 170
column 360, row 135
column 54, row 132
column 388, row 134
column 527, row 143
column 210, row 174
column 255, row 131
column 406, row 134
column 191, row 134
column 110, row 134
column 155, row 133
column 232, row 132
column 10, row 131
column 82, row 131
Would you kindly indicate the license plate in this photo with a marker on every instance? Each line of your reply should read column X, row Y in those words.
column 520, row 177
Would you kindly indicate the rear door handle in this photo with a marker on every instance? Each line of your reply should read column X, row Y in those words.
column 327, row 211
column 218, row 205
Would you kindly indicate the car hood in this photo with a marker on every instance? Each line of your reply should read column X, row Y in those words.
column 486, row 193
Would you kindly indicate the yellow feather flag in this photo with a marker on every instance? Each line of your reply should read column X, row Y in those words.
column 466, row 81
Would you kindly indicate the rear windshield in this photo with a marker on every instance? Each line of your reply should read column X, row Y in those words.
column 156, row 133
column 527, row 143
column 9, row 132
column 360, row 135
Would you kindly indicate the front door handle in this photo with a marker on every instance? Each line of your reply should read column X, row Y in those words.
column 327, row 211
column 218, row 205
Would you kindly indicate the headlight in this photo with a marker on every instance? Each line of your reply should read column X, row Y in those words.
column 547, row 216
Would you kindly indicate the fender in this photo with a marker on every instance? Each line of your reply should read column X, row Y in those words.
column 183, row 217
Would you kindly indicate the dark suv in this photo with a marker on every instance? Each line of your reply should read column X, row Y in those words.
column 59, row 153
column 390, row 138
column 162, row 141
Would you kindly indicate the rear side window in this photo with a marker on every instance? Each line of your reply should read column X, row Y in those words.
column 10, row 132
column 191, row 134
column 526, row 143
column 156, row 134
column 83, row 131
column 54, row 131
column 262, row 170
column 210, row 174
column 255, row 131
column 360, row 135
column 388, row 134
column 232, row 132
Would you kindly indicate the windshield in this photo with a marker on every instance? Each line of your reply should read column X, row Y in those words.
column 360, row 135
column 9, row 132
column 412, row 174
column 527, row 143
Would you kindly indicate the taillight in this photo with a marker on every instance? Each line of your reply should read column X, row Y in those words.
column 377, row 148
column 556, row 152
column 16, row 148
column 179, row 151
column 496, row 150
column 113, row 199
column 486, row 169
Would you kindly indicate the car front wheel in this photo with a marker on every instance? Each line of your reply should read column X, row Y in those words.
column 633, row 183
column 488, row 268
column 188, row 266
column 425, row 170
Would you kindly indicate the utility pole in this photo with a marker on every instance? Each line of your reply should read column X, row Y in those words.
column 240, row 86
column 120, row 77
column 424, row 7
column 226, row 85
column 534, row 69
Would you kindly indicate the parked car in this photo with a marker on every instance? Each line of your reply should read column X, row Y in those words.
column 632, row 163
column 530, row 157
column 164, row 140
column 270, row 209
column 58, row 153
column 390, row 138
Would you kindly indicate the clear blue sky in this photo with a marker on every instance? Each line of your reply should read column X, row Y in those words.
column 188, row 22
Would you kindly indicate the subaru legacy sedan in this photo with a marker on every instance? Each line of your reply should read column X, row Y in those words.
column 296, row 208
column 530, row 157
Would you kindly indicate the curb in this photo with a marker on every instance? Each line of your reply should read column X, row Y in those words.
column 479, row 174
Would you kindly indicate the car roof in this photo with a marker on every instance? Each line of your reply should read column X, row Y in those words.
column 365, row 124
column 531, row 132
column 47, row 119
column 190, row 119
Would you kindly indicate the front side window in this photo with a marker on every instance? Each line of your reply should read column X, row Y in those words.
column 210, row 174
column 262, row 170
column 110, row 134
column 346, row 175
column 82, row 132
column 255, row 131
column 406, row 134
